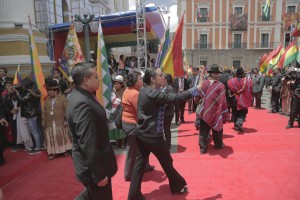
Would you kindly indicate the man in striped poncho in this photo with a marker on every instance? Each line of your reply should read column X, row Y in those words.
column 213, row 110
column 241, row 88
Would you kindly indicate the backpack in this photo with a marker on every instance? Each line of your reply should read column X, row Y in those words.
column 117, row 116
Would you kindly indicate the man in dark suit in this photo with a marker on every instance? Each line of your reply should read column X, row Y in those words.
column 276, row 87
column 257, row 88
column 193, row 80
column 180, row 84
column 93, row 156
column 3, row 124
column 3, row 73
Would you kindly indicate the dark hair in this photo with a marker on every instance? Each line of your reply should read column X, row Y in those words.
column 150, row 72
column 169, row 78
column 4, row 69
column 81, row 71
column 132, row 77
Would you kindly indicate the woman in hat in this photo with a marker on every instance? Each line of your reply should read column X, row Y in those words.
column 116, row 98
column 54, row 122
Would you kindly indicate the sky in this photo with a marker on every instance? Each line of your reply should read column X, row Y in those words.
column 171, row 6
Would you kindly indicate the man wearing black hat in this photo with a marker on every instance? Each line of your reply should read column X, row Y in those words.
column 213, row 110
column 241, row 89
column 257, row 88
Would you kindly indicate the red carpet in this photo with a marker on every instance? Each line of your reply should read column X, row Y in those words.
column 263, row 163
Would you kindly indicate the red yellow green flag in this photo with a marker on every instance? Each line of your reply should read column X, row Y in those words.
column 288, row 56
column 37, row 73
column 265, row 64
column 17, row 77
column 172, row 63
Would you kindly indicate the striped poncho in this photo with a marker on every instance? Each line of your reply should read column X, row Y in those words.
column 213, row 109
column 242, row 88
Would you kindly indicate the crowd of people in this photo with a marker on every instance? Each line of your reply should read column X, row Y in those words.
column 71, row 120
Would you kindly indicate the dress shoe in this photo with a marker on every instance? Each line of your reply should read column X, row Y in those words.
column 182, row 121
column 239, row 128
column 184, row 190
column 149, row 168
column 203, row 151
column 177, row 123
column 190, row 112
column 219, row 148
column 289, row 126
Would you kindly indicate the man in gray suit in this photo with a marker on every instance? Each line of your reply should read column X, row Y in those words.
column 257, row 88
column 93, row 157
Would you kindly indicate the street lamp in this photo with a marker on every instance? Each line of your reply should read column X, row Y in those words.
column 86, row 20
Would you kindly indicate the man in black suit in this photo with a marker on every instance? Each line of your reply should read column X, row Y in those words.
column 93, row 157
column 276, row 87
column 3, row 73
column 3, row 124
column 180, row 84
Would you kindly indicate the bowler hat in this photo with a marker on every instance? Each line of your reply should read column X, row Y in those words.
column 52, row 85
column 196, row 68
column 239, row 70
column 9, row 80
column 214, row 68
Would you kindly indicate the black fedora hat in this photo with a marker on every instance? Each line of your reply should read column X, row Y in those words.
column 52, row 85
column 240, row 70
column 214, row 68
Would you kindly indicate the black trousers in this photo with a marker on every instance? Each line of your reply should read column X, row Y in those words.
column 131, row 133
column 167, row 129
column 204, row 133
column 2, row 144
column 192, row 105
column 240, row 116
column 94, row 192
column 179, row 111
column 295, row 110
column 257, row 97
column 275, row 101
column 159, row 148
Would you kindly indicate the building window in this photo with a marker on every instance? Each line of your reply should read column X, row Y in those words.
column 236, row 63
column 203, row 62
column 291, row 9
column 263, row 16
column 264, row 40
column 203, row 41
column 202, row 15
column 238, row 10
column 237, row 41
column 287, row 38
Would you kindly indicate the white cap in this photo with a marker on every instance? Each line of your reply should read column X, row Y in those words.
column 119, row 78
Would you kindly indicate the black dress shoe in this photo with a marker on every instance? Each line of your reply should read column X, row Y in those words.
column 184, row 190
column 239, row 128
column 203, row 151
column 149, row 168
column 289, row 126
column 177, row 123
column 219, row 148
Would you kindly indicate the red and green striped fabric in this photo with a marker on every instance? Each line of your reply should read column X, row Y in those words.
column 288, row 56
column 172, row 63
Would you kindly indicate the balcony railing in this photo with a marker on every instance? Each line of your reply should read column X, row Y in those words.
column 236, row 45
column 202, row 19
